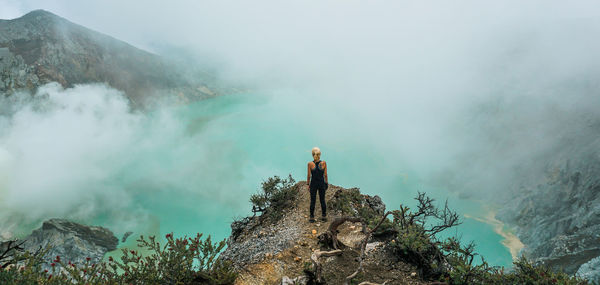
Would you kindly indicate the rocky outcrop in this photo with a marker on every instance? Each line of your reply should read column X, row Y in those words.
column 559, row 220
column 41, row 47
column 255, row 241
column 71, row 241
column 376, row 204
column 589, row 270
column 267, row 252
column 15, row 73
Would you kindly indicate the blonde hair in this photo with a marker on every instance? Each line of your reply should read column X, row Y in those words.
column 316, row 152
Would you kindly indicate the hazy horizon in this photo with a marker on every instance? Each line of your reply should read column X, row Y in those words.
column 469, row 96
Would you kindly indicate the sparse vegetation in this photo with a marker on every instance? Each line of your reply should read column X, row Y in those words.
column 448, row 261
column 410, row 235
column 277, row 195
column 352, row 203
column 523, row 272
column 180, row 261
column 347, row 202
column 416, row 240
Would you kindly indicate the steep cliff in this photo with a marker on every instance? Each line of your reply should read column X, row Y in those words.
column 558, row 219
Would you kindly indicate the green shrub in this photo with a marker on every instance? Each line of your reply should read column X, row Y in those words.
column 523, row 272
column 276, row 196
column 450, row 261
column 180, row 261
column 351, row 203
column 347, row 201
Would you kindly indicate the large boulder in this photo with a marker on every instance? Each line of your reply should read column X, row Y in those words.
column 71, row 241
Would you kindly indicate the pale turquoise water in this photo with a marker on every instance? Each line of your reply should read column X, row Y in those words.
column 192, row 168
column 243, row 139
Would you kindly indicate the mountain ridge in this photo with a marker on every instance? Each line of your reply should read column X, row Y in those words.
column 41, row 47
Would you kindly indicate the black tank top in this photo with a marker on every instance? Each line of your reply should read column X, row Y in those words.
column 317, row 179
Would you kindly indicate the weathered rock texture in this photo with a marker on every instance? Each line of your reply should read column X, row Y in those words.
column 71, row 241
column 41, row 47
column 559, row 219
column 264, row 252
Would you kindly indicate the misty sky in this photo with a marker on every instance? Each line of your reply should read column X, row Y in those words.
column 474, row 96
column 324, row 40
column 444, row 85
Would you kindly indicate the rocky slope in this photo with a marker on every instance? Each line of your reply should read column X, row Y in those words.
column 41, row 47
column 264, row 252
column 71, row 241
column 558, row 219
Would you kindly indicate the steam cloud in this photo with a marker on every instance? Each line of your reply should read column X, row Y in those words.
column 82, row 153
column 468, row 95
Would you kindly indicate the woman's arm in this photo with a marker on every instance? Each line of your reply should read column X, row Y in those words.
column 325, row 173
column 308, row 176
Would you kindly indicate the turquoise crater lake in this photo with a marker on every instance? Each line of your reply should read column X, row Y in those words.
column 248, row 138
column 192, row 168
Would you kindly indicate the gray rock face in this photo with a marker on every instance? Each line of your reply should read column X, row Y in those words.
column 590, row 270
column 71, row 241
column 41, row 47
column 300, row 280
column 559, row 220
column 14, row 73
column 250, row 241
column 376, row 204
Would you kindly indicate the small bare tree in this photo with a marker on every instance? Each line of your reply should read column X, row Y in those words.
column 419, row 229
column 8, row 249
column 13, row 252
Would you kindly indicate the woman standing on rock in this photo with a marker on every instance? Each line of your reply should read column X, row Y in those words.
column 317, row 182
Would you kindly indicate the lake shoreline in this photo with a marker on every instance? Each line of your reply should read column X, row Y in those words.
column 510, row 240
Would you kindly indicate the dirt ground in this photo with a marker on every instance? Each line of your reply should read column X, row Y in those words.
column 379, row 266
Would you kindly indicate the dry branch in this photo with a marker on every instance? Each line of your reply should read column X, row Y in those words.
column 329, row 238
column 363, row 247
column 371, row 283
column 317, row 267
column 10, row 247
